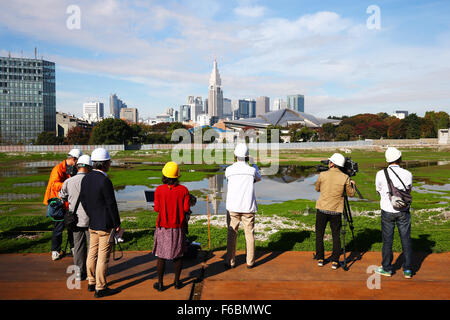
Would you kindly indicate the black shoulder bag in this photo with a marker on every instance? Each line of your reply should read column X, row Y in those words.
column 400, row 199
column 71, row 218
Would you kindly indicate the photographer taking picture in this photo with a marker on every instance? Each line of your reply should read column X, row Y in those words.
column 333, row 185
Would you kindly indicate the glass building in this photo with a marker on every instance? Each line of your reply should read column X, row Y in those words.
column 27, row 99
column 296, row 102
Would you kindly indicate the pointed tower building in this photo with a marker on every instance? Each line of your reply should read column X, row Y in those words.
column 215, row 94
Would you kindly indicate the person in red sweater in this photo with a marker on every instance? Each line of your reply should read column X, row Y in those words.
column 171, row 202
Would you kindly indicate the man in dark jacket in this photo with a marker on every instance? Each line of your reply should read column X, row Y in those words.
column 99, row 202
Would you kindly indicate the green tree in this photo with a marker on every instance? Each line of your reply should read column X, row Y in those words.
column 48, row 138
column 111, row 131
column 344, row 133
column 413, row 123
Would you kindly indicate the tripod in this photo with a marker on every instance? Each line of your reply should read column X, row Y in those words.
column 347, row 217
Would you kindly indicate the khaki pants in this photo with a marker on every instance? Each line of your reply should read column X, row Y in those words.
column 248, row 220
column 98, row 257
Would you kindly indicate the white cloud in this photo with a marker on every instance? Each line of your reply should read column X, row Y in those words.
column 170, row 49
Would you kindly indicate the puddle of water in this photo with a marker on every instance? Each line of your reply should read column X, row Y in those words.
column 290, row 184
column 18, row 196
column 31, row 184
column 427, row 188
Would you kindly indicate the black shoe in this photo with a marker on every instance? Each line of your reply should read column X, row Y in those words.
column 250, row 267
column 105, row 292
column 228, row 266
column 91, row 287
column 177, row 284
column 158, row 286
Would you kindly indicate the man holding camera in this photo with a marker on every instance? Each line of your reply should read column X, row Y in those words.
column 99, row 202
column 400, row 179
column 332, row 184
column 61, row 172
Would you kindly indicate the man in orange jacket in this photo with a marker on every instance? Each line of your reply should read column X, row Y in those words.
column 59, row 174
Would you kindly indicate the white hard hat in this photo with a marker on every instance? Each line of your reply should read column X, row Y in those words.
column 392, row 154
column 85, row 159
column 76, row 153
column 338, row 159
column 241, row 150
column 100, row 154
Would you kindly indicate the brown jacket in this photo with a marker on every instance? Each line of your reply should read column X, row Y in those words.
column 331, row 185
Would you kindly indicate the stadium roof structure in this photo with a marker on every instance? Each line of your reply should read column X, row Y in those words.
column 283, row 118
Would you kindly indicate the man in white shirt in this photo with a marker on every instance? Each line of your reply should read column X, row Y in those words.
column 241, row 203
column 390, row 217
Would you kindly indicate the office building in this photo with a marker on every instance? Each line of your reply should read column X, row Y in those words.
column 115, row 105
column 215, row 94
column 227, row 112
column 185, row 113
column 279, row 104
column 27, row 99
column 65, row 122
column 93, row 111
column 296, row 102
column 262, row 105
column 129, row 115
column 196, row 105
column 400, row 114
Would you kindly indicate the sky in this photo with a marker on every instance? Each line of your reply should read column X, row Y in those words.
column 344, row 58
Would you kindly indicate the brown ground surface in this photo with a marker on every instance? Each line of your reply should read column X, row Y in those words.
column 276, row 276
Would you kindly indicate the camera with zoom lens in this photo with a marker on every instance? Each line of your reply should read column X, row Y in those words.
column 350, row 167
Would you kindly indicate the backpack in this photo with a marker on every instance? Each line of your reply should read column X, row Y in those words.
column 400, row 199
column 56, row 209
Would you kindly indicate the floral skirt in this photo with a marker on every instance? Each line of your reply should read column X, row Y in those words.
column 169, row 243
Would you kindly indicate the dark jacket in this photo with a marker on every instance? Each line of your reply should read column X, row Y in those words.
column 99, row 202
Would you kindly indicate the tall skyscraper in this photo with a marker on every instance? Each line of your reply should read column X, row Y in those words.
column 196, row 105
column 279, row 104
column 185, row 113
column 215, row 94
column 115, row 105
column 296, row 102
column 27, row 98
column 262, row 105
column 93, row 111
column 227, row 107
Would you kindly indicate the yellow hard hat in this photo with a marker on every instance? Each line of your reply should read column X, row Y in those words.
column 171, row 170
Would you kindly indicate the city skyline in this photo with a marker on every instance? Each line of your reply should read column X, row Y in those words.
column 324, row 51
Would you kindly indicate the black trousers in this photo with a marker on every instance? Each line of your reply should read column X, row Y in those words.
column 58, row 230
column 335, row 224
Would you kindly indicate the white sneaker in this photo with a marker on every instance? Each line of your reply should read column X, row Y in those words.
column 55, row 255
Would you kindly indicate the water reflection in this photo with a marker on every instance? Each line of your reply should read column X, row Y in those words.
column 292, row 182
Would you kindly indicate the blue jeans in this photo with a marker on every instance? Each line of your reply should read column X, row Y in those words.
column 388, row 222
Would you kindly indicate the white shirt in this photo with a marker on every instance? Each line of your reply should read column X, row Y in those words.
column 383, row 188
column 241, row 191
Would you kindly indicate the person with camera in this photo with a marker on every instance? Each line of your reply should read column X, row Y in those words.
column 241, row 204
column 394, row 211
column 172, row 202
column 99, row 202
column 70, row 192
column 61, row 172
column 333, row 185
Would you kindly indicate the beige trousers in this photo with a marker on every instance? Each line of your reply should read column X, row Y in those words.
column 248, row 220
column 98, row 257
